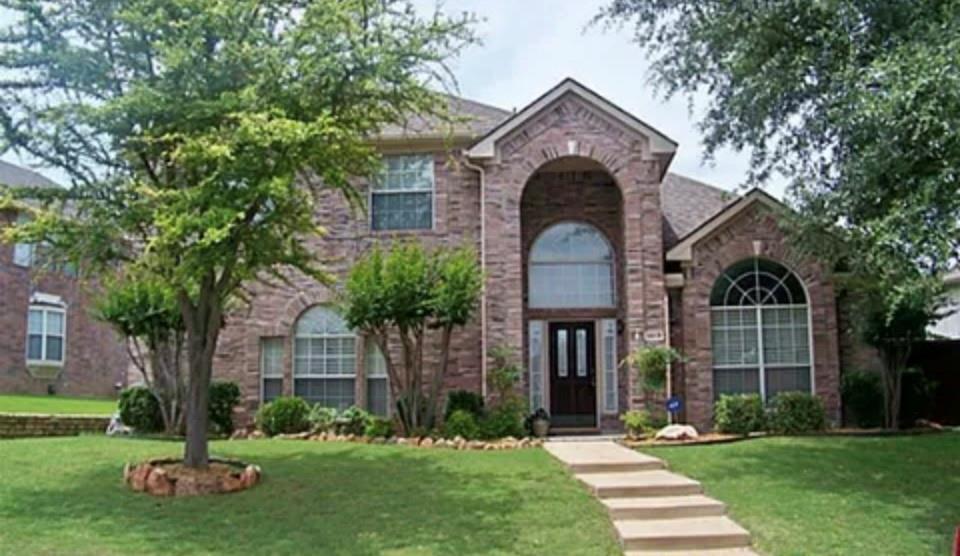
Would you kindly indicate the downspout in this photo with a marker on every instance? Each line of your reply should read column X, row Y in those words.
column 483, row 271
column 666, row 335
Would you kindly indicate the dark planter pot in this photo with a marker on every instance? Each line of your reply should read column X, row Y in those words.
column 541, row 427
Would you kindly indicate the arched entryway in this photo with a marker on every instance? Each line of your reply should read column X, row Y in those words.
column 571, row 215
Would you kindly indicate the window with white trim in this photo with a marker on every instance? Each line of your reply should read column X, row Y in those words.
column 46, row 335
column 571, row 266
column 760, row 331
column 401, row 197
column 535, row 348
column 271, row 368
column 324, row 359
column 378, row 391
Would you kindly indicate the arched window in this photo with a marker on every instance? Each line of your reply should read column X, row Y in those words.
column 571, row 265
column 324, row 359
column 760, row 331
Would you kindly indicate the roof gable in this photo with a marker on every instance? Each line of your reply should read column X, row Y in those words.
column 486, row 146
column 683, row 250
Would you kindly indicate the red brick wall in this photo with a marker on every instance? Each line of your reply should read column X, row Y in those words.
column 734, row 242
column 95, row 358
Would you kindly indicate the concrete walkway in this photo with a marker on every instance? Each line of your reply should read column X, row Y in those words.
column 653, row 510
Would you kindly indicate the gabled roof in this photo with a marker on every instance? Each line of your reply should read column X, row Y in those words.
column 683, row 250
column 485, row 147
column 687, row 203
column 15, row 176
column 474, row 119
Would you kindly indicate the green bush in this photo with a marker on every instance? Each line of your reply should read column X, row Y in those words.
column 796, row 413
column 637, row 422
column 224, row 396
column 917, row 397
column 461, row 423
column 139, row 409
column 465, row 400
column 322, row 419
column 739, row 414
column 862, row 396
column 352, row 420
column 284, row 416
column 504, row 420
column 378, row 427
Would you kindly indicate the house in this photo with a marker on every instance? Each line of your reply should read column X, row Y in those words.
column 948, row 327
column 591, row 248
column 50, row 343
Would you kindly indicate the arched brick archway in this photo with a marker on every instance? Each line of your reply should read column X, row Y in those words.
column 572, row 127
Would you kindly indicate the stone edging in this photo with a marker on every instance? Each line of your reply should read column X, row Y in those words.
column 457, row 443
column 24, row 425
column 151, row 477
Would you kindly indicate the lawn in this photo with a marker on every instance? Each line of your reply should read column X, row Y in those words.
column 11, row 403
column 833, row 495
column 65, row 495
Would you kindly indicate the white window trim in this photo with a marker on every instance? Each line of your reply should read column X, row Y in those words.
column 432, row 190
column 43, row 361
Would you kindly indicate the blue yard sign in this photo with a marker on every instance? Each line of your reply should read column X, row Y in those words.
column 674, row 404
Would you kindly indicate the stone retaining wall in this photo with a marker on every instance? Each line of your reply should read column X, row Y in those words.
column 16, row 425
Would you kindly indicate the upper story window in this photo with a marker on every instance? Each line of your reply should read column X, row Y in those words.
column 401, row 197
column 571, row 266
column 46, row 334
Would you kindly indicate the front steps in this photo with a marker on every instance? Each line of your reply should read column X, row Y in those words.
column 653, row 510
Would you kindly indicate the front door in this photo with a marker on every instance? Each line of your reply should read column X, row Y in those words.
column 573, row 376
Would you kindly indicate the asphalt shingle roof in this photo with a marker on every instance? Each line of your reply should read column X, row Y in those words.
column 687, row 203
column 12, row 175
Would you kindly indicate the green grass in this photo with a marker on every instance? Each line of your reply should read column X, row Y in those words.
column 60, row 496
column 62, row 405
column 833, row 495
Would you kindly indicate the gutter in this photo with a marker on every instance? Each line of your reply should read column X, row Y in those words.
column 483, row 271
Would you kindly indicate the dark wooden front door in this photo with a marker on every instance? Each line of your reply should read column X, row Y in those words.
column 573, row 374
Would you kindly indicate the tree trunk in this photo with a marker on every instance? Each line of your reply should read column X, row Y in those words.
column 438, row 376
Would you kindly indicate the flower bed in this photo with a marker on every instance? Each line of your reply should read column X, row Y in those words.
column 456, row 443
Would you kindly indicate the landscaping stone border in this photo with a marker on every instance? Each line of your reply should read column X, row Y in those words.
column 152, row 477
column 457, row 443
column 24, row 425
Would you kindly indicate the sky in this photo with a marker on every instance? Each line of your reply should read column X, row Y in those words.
column 531, row 45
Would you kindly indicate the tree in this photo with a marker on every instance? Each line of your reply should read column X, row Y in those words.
column 198, row 133
column 146, row 314
column 399, row 296
column 856, row 101
column 893, row 317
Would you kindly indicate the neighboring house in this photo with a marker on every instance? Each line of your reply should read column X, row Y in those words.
column 948, row 328
column 49, row 342
column 591, row 248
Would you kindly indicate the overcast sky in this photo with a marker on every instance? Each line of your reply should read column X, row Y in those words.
column 531, row 45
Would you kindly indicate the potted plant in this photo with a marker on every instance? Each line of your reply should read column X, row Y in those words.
column 538, row 423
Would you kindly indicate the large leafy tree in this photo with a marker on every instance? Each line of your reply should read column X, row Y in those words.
column 197, row 133
column 857, row 102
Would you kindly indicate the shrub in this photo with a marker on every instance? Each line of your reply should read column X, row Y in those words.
column 284, row 416
column 224, row 396
column 352, row 420
column 378, row 427
column 505, row 420
column 139, row 409
column 637, row 422
column 461, row 423
column 322, row 418
column 918, row 394
column 862, row 399
column 739, row 414
column 465, row 400
column 795, row 413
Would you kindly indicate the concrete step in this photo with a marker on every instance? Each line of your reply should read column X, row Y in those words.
column 663, row 507
column 689, row 552
column 601, row 457
column 637, row 484
column 681, row 534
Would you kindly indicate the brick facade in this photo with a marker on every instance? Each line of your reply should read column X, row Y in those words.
column 95, row 359
column 752, row 233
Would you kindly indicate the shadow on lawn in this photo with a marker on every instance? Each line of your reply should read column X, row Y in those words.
column 916, row 476
column 345, row 499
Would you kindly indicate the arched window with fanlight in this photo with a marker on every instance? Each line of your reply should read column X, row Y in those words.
column 571, row 266
column 324, row 359
column 760, row 330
